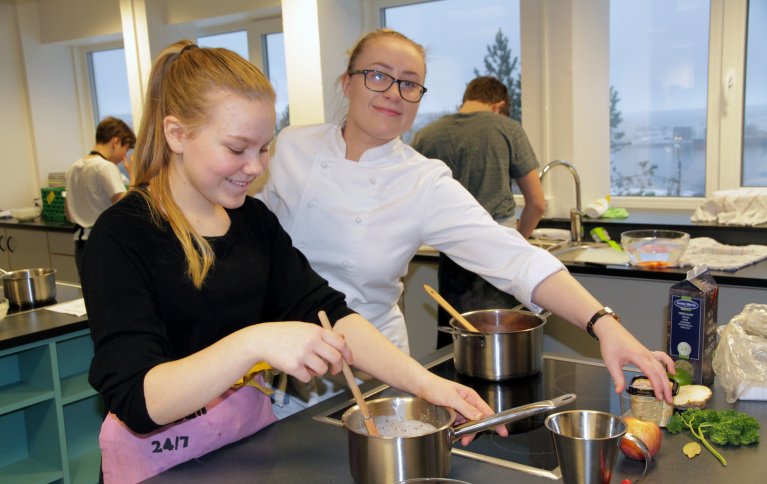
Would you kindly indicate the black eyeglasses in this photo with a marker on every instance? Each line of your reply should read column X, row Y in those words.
column 378, row 81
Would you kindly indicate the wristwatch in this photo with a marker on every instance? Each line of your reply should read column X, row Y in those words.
column 590, row 325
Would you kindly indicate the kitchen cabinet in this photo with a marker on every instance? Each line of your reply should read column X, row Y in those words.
column 50, row 416
column 643, row 307
column 642, row 303
column 419, row 309
column 62, row 252
column 23, row 248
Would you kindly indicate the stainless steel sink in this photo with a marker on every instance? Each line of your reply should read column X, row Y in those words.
column 549, row 245
column 593, row 252
column 569, row 251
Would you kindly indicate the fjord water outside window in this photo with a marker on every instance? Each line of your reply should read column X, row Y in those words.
column 658, row 97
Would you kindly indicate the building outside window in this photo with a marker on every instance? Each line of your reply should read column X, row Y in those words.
column 463, row 39
column 658, row 90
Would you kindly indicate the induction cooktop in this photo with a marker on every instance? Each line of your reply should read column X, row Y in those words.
column 64, row 292
column 529, row 447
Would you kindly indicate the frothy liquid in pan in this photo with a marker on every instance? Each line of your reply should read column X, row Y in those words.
column 397, row 427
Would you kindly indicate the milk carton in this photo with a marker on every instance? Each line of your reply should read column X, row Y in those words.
column 692, row 322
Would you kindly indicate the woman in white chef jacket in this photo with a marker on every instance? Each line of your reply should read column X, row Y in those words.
column 359, row 203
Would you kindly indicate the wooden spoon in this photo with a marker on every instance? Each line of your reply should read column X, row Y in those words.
column 450, row 309
column 370, row 424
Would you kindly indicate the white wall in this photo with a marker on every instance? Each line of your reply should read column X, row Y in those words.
column 45, row 123
column 17, row 166
column 564, row 49
column 53, row 96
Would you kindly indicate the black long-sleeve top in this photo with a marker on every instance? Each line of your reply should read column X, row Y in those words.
column 143, row 309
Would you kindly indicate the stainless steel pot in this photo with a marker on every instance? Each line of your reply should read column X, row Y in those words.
column 29, row 287
column 383, row 460
column 509, row 344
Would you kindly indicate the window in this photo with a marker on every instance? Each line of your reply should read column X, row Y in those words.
column 755, row 113
column 454, row 60
column 274, row 64
column 109, row 85
column 234, row 41
column 658, row 91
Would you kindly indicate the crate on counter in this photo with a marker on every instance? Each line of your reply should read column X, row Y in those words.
column 53, row 204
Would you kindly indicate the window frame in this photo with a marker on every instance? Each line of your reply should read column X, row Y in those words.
column 726, row 72
column 84, row 81
column 255, row 29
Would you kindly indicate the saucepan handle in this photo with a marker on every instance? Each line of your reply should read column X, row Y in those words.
column 511, row 415
column 645, row 452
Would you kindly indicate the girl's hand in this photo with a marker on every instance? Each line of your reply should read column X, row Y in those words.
column 619, row 347
column 462, row 399
column 303, row 350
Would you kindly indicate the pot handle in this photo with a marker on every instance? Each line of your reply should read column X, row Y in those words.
column 645, row 452
column 511, row 415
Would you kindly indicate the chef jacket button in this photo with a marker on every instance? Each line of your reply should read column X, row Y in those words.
column 311, row 204
column 324, row 164
column 358, row 220
column 372, row 180
column 347, row 263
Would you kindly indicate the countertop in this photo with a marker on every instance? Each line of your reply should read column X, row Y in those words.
column 750, row 276
column 301, row 449
column 36, row 324
column 38, row 224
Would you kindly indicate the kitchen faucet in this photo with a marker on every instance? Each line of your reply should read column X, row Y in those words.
column 576, row 214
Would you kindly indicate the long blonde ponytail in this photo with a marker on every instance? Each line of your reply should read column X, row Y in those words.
column 181, row 83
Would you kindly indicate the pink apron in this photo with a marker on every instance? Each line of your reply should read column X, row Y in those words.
column 128, row 457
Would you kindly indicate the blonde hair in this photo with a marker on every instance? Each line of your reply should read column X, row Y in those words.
column 181, row 83
column 355, row 51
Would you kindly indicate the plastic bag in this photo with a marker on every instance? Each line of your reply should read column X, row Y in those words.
column 740, row 359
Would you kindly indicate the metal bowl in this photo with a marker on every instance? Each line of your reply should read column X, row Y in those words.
column 654, row 248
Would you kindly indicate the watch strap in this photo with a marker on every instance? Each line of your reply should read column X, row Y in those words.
column 602, row 312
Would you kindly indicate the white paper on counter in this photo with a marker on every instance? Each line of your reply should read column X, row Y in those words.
column 75, row 307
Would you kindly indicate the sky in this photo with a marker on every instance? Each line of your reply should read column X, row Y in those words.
column 455, row 34
column 658, row 52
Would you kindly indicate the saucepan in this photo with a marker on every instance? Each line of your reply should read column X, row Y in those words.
column 509, row 344
column 29, row 287
column 416, row 436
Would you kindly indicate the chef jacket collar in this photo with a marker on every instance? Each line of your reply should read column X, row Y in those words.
column 381, row 153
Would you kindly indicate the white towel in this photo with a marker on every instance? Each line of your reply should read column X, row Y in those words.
column 75, row 307
column 550, row 234
column 741, row 206
column 705, row 250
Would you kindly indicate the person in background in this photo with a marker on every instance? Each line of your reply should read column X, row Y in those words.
column 359, row 203
column 485, row 150
column 193, row 289
column 94, row 182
